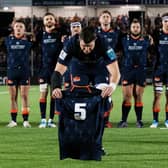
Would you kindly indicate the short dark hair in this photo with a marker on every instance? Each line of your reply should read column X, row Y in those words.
column 165, row 14
column 135, row 20
column 19, row 21
column 88, row 34
column 106, row 11
column 48, row 13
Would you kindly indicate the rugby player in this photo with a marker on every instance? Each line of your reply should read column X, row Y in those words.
column 135, row 51
column 18, row 72
column 51, row 46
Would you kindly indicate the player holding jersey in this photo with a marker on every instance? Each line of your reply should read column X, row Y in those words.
column 51, row 46
column 161, row 71
column 18, row 71
column 87, row 53
column 135, row 50
column 81, row 123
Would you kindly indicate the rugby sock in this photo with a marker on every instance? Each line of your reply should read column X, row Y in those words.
column 166, row 115
column 126, row 106
column 13, row 114
column 25, row 113
column 156, row 114
column 43, row 105
column 107, row 115
column 138, row 110
column 52, row 108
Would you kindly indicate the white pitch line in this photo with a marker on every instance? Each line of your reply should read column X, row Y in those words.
column 4, row 92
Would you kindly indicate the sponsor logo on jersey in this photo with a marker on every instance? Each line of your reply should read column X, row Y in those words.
column 165, row 41
column 135, row 47
column 62, row 55
column 17, row 46
column 46, row 41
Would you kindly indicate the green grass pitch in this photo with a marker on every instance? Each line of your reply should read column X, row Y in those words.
column 127, row 148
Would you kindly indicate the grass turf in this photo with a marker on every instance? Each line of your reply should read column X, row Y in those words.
column 127, row 148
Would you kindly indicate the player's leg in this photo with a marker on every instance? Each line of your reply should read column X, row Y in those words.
column 127, row 80
column 50, row 122
column 43, row 102
column 13, row 92
column 166, row 105
column 24, row 93
column 127, row 91
column 158, row 89
column 138, row 94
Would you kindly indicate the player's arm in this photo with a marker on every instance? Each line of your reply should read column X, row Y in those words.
column 152, row 49
column 111, row 62
column 60, row 68
column 56, row 80
column 114, row 77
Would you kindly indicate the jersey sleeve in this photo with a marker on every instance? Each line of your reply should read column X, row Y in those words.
column 65, row 54
column 109, row 54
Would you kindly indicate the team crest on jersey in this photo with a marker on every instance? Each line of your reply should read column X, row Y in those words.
column 109, row 40
column 76, row 79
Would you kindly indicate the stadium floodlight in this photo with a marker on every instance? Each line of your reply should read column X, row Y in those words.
column 5, row 8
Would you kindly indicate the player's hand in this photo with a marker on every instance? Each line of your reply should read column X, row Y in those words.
column 151, row 39
column 63, row 38
column 107, row 91
column 56, row 93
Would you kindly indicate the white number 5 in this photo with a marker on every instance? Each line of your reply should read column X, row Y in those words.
column 80, row 111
